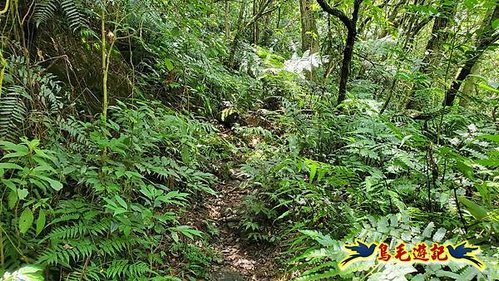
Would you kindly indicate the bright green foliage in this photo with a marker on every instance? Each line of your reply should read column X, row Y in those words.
column 328, row 253
column 120, row 206
column 29, row 181
column 28, row 273
column 205, row 95
column 384, row 166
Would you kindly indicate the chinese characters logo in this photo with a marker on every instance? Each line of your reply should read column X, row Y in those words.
column 419, row 253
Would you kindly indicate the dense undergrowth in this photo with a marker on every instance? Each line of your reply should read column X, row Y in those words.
column 97, row 193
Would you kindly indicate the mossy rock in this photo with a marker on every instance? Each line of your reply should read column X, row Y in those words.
column 226, row 275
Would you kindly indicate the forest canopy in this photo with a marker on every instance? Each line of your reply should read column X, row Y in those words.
column 249, row 140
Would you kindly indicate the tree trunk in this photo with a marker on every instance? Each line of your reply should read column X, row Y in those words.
column 278, row 23
column 486, row 38
column 351, row 25
column 450, row 95
column 308, row 32
column 256, row 32
column 439, row 32
column 345, row 65
column 392, row 16
column 469, row 86
column 439, row 35
column 233, row 49
column 227, row 19
column 308, row 27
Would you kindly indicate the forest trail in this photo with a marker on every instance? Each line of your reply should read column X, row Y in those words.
column 241, row 260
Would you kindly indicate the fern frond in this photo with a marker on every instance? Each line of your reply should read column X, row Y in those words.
column 113, row 246
column 87, row 272
column 12, row 113
column 72, row 13
column 122, row 268
column 46, row 9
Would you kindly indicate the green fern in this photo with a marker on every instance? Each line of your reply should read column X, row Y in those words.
column 31, row 97
column 47, row 9
column 90, row 271
column 123, row 268
column 12, row 113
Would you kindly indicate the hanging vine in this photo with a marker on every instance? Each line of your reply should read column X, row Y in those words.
column 5, row 8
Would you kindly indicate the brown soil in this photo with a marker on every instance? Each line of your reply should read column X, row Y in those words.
column 241, row 259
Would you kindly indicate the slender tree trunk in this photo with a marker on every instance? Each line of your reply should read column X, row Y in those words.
column 392, row 16
column 486, row 38
column 329, row 49
column 278, row 23
column 3, row 65
column 351, row 25
column 255, row 23
column 104, row 59
column 235, row 43
column 227, row 19
column 451, row 93
column 345, row 65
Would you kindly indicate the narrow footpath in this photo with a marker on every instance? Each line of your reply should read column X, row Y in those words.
column 242, row 260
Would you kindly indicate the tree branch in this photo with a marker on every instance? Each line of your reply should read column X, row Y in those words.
column 261, row 12
column 336, row 12
column 355, row 14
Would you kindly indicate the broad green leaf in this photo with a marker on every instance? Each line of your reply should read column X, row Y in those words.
column 42, row 154
column 10, row 166
column 56, row 185
column 28, row 273
column 439, row 235
column 169, row 64
column 121, row 201
column 186, row 230
column 7, row 145
column 489, row 162
column 466, row 169
column 10, row 184
column 495, row 24
column 22, row 193
column 477, row 211
column 12, row 199
column 488, row 88
column 313, row 171
column 428, row 230
column 494, row 138
column 33, row 144
column 40, row 222
column 15, row 154
column 25, row 220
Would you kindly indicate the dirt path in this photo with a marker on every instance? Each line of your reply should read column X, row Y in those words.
column 241, row 259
